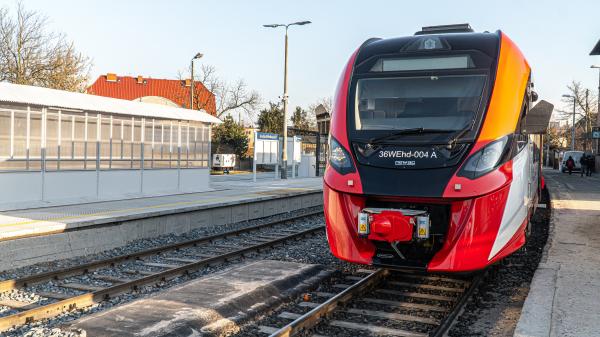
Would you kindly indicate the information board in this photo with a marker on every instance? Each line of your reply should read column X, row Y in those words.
column 266, row 146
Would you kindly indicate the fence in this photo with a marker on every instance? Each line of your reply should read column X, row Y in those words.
column 42, row 139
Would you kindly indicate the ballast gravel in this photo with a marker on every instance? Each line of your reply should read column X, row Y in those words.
column 495, row 308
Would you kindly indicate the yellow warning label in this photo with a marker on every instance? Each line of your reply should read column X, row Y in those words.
column 363, row 228
column 422, row 231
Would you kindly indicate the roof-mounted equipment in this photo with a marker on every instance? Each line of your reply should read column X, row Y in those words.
column 444, row 29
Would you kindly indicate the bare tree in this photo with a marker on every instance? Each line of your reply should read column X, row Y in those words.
column 32, row 55
column 325, row 101
column 585, row 112
column 229, row 97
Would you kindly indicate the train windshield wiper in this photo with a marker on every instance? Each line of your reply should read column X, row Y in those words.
column 458, row 134
column 400, row 133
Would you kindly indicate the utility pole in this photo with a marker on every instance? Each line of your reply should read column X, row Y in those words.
column 284, row 157
column 587, row 119
column 573, row 126
column 197, row 56
column 285, row 113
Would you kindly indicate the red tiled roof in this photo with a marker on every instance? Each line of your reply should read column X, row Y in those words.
column 127, row 87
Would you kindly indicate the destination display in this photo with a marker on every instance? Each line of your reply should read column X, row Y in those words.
column 403, row 157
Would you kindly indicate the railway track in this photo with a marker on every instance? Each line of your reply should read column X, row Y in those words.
column 84, row 285
column 382, row 303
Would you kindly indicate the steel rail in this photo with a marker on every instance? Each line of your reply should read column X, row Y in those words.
column 311, row 318
column 87, row 299
column 449, row 319
column 8, row 285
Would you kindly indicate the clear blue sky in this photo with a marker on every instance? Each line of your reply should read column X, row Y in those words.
column 157, row 38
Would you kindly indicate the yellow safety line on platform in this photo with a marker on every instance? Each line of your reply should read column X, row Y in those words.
column 71, row 217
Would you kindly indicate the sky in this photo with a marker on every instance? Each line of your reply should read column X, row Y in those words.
column 158, row 38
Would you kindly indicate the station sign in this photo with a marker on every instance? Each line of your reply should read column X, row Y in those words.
column 267, row 136
column 266, row 148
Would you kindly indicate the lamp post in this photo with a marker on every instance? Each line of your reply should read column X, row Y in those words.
column 197, row 56
column 285, row 93
column 597, row 66
column 573, row 126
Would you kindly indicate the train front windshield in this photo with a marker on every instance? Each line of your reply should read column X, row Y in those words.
column 445, row 102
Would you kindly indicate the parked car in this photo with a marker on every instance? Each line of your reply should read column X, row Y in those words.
column 576, row 156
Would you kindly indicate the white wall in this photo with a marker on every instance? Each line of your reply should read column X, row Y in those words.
column 20, row 190
column 160, row 181
column 18, row 187
column 119, row 183
column 69, row 185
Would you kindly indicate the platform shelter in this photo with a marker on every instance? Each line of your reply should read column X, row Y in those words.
column 59, row 147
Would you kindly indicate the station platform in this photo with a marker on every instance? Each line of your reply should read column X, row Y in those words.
column 214, row 305
column 565, row 291
column 43, row 234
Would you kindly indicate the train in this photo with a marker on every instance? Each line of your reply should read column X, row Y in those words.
column 430, row 164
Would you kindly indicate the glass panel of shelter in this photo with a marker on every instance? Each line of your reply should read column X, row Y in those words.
column 90, row 141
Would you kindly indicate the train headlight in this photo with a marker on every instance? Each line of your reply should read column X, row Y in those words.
column 486, row 159
column 339, row 158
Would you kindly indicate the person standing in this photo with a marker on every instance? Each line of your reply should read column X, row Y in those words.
column 570, row 164
column 590, row 163
column 583, row 162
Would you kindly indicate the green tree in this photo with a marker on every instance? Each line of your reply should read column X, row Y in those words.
column 271, row 119
column 229, row 137
column 301, row 119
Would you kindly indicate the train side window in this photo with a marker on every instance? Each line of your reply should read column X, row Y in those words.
column 520, row 134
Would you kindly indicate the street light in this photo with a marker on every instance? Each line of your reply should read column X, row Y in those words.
column 197, row 56
column 573, row 126
column 285, row 93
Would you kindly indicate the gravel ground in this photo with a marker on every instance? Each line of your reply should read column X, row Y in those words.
column 496, row 306
column 308, row 250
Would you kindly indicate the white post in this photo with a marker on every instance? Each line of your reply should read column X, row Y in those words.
column 73, row 137
column 209, row 156
column 43, row 153
column 132, row 145
column 28, row 136
column 98, row 149
column 110, row 142
column 277, row 176
column 153, row 124
column 254, row 159
column 12, row 134
column 293, row 157
column 179, row 155
column 59, row 137
column 142, row 153
column 85, row 141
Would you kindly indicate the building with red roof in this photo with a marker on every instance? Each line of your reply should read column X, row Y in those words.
column 154, row 90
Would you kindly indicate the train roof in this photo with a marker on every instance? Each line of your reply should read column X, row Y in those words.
column 441, row 40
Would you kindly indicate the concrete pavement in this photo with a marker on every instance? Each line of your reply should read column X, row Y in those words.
column 564, row 299
column 209, row 306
